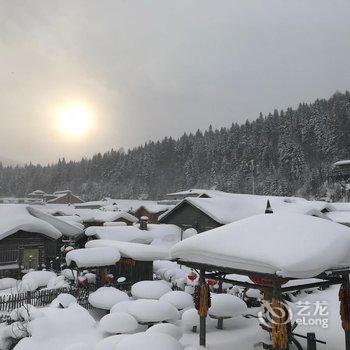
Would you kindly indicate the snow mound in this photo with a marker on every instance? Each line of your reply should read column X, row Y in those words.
column 57, row 282
column 7, row 282
column 79, row 346
column 166, row 328
column 179, row 299
column 110, row 343
column 69, row 274
column 25, row 313
column 64, row 300
column 42, row 278
column 149, row 341
column 26, row 285
column 93, row 257
column 153, row 311
column 149, row 289
column 118, row 323
column 226, row 305
column 106, row 297
column 300, row 243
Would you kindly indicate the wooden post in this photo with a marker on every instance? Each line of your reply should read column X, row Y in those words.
column 202, row 321
column 346, row 285
column 311, row 341
column 277, row 296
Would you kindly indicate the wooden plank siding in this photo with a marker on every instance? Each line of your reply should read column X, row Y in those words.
column 187, row 216
column 13, row 247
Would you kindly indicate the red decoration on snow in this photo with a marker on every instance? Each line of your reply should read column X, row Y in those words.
column 211, row 282
column 192, row 276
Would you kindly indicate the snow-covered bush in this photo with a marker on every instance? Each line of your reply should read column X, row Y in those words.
column 41, row 277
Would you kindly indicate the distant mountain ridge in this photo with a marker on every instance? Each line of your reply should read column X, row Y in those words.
column 289, row 152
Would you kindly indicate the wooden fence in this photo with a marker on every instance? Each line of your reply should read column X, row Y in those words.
column 41, row 298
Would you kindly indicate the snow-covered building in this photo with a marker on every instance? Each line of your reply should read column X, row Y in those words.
column 25, row 241
column 64, row 197
column 152, row 212
column 204, row 214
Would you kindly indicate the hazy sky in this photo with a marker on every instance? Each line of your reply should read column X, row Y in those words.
column 151, row 68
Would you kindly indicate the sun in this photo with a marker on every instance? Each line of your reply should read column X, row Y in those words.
column 75, row 121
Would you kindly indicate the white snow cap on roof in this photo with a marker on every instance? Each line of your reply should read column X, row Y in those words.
column 135, row 251
column 289, row 245
column 66, row 228
column 198, row 192
column 16, row 217
column 93, row 257
column 342, row 217
column 233, row 207
column 120, row 233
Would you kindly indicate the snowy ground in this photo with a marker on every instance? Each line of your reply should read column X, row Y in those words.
column 63, row 328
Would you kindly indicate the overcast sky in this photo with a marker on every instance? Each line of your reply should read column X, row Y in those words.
column 152, row 68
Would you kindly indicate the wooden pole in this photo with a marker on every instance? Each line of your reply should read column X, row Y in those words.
column 311, row 341
column 202, row 320
column 347, row 333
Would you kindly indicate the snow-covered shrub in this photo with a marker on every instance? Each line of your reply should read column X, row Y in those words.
column 41, row 277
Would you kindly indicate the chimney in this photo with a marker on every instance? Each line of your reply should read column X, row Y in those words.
column 143, row 223
column 268, row 209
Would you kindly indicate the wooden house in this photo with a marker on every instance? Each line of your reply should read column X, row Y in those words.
column 204, row 214
column 64, row 197
column 26, row 242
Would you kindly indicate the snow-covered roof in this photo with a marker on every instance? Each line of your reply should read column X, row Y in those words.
column 342, row 162
column 16, row 217
column 120, row 233
column 96, row 215
column 93, row 257
column 341, row 206
column 135, row 251
column 68, row 229
column 235, row 207
column 196, row 192
column 342, row 217
column 288, row 244
column 153, row 208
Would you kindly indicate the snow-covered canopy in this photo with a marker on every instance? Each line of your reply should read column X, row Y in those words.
column 150, row 289
column 93, row 257
column 68, row 229
column 289, row 245
column 135, row 251
column 120, row 233
column 16, row 217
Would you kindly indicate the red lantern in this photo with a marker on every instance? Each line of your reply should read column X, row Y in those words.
column 192, row 276
column 211, row 282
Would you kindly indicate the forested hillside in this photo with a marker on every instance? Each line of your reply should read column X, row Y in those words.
column 292, row 152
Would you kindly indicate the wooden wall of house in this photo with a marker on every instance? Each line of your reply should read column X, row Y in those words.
column 134, row 271
column 13, row 246
column 152, row 217
column 187, row 216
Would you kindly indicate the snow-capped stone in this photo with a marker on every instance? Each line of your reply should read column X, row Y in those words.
column 122, row 306
column 118, row 323
column 64, row 300
column 191, row 318
column 149, row 289
column 106, row 297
